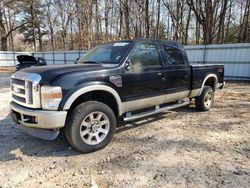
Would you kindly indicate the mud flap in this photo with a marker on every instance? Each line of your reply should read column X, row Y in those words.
column 41, row 133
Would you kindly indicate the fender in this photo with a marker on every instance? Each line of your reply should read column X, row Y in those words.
column 93, row 87
column 206, row 78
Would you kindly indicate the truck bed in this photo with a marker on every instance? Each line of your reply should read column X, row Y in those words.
column 200, row 71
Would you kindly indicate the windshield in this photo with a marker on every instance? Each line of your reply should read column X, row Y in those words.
column 110, row 53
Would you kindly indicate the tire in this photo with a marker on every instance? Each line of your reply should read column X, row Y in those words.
column 90, row 126
column 205, row 101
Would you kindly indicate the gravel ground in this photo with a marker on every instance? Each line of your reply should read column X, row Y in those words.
column 181, row 148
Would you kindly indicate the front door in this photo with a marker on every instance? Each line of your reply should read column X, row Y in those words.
column 143, row 80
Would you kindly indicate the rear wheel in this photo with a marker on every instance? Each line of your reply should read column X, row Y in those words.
column 90, row 126
column 205, row 101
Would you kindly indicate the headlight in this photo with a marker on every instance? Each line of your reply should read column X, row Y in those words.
column 51, row 97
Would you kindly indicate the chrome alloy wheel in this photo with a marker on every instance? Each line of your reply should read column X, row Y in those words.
column 209, row 99
column 94, row 128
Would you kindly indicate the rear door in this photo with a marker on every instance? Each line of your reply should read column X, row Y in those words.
column 177, row 71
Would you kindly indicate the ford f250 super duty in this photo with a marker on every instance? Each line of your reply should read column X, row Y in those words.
column 113, row 82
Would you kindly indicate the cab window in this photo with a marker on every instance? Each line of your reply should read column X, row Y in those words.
column 144, row 55
column 173, row 55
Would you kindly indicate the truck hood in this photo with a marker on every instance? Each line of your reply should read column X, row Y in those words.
column 48, row 73
column 26, row 58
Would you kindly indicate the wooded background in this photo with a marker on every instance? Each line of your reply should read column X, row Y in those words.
column 34, row 25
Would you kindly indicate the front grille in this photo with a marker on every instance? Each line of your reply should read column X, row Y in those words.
column 22, row 89
column 20, row 99
column 18, row 82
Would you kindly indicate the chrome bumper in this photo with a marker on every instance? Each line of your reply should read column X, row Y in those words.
column 37, row 118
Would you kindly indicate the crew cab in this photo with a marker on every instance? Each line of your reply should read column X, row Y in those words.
column 113, row 82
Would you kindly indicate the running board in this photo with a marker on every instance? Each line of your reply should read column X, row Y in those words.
column 130, row 117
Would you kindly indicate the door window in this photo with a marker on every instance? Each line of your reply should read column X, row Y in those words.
column 144, row 55
column 173, row 55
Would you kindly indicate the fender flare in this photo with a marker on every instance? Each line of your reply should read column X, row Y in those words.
column 90, row 88
column 214, row 76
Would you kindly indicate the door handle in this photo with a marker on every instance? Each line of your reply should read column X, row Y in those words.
column 162, row 75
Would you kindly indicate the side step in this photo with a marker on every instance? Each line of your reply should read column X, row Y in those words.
column 157, row 109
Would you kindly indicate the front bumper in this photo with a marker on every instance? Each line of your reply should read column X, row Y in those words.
column 41, row 119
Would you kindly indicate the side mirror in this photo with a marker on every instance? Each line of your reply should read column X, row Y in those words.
column 128, row 65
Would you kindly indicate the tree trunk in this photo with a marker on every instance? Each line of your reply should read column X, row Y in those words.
column 147, row 18
column 40, row 38
column 111, row 21
column 71, row 35
column 220, row 35
column 228, row 21
column 244, row 32
column 121, row 20
column 33, row 25
column 97, row 23
column 50, row 25
column 197, row 33
column 168, row 28
column 208, row 27
column 106, row 14
column 187, row 26
column 158, row 18
column 126, row 16
column 3, row 45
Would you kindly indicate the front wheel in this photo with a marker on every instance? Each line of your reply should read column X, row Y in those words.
column 90, row 126
column 205, row 101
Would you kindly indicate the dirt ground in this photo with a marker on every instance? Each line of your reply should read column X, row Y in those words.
column 181, row 148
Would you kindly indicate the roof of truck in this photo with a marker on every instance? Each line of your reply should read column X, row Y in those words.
column 146, row 39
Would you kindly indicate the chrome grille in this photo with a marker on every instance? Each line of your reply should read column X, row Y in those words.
column 17, row 82
column 22, row 91
column 25, row 89
column 17, row 98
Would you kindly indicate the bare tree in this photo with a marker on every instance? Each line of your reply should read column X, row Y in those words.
column 65, row 13
column 51, row 20
column 6, row 30
column 244, row 35
column 76, row 24
column 158, row 19
column 147, row 19
column 125, row 4
column 221, row 18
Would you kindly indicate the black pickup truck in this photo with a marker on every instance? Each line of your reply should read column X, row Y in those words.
column 113, row 82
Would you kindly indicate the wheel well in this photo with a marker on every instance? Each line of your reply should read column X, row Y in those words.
column 100, row 96
column 210, row 82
